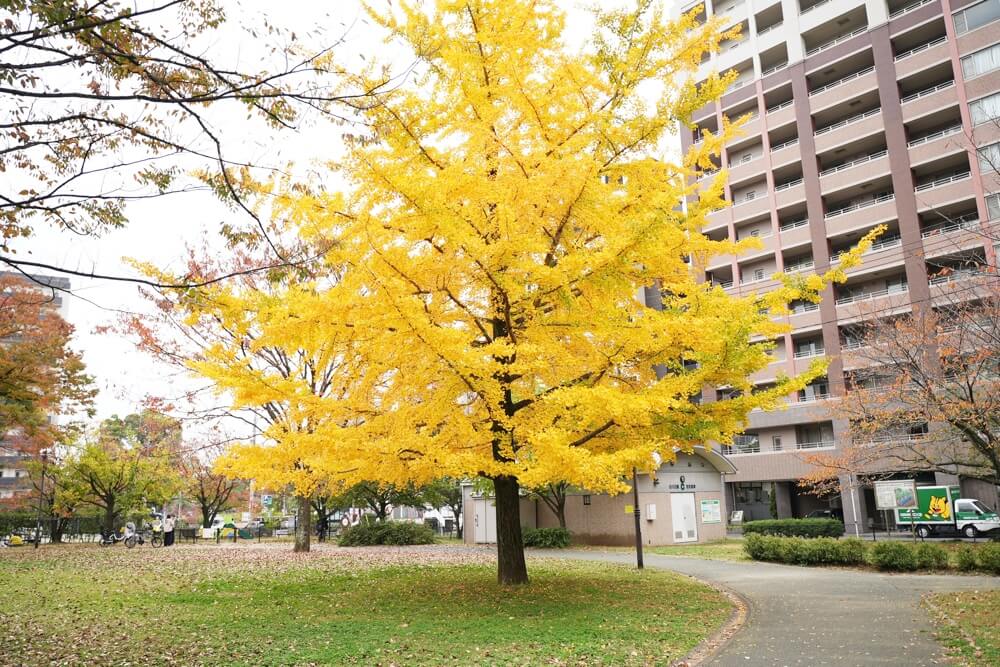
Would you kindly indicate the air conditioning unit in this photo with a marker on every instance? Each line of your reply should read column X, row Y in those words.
column 651, row 512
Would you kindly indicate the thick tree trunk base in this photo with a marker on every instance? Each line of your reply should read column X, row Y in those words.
column 511, row 568
column 303, row 525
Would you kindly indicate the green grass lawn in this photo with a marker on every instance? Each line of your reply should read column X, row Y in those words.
column 724, row 549
column 972, row 637
column 263, row 605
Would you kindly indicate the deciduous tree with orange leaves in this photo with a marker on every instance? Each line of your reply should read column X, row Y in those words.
column 501, row 219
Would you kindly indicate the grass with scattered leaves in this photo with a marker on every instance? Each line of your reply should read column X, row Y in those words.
column 725, row 549
column 968, row 625
column 264, row 605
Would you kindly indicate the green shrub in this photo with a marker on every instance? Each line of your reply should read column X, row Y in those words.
column 795, row 527
column 805, row 551
column 989, row 557
column 931, row 556
column 966, row 559
column 894, row 556
column 546, row 538
column 387, row 532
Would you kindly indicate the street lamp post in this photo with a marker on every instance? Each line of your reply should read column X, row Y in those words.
column 41, row 499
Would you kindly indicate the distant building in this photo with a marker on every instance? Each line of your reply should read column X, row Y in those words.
column 13, row 470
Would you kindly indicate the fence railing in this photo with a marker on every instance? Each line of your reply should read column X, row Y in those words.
column 922, row 47
column 838, row 40
column 858, row 205
column 909, row 7
column 926, row 91
column 789, row 184
column 778, row 107
column 942, row 181
column 819, row 444
column 849, row 77
column 854, row 163
column 965, row 222
column 848, row 121
column 936, row 135
column 787, row 226
column 784, row 144
column 874, row 294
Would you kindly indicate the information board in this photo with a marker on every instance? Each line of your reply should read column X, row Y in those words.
column 711, row 511
column 895, row 494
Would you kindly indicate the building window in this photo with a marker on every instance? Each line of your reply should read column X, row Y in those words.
column 776, row 443
column 989, row 158
column 985, row 108
column 981, row 62
column 977, row 16
column 993, row 205
column 586, row 500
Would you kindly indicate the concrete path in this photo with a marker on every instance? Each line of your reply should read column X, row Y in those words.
column 819, row 616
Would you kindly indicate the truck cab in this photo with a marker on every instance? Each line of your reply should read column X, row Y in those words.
column 972, row 517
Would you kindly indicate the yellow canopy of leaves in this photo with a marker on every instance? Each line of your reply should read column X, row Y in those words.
column 491, row 252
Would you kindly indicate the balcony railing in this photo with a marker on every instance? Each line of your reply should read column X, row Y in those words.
column 936, row 135
column 927, row 91
column 859, row 205
column 847, row 121
column 794, row 224
column 819, row 444
column 805, row 308
column 773, row 69
column 854, row 163
column 910, row 7
column 876, row 247
column 812, row 7
column 875, row 294
column 942, row 181
column 779, row 106
column 784, row 144
column 799, row 266
column 724, row 284
column 970, row 221
column 789, row 184
column 838, row 40
column 849, row 77
column 955, row 276
column 812, row 398
column 922, row 47
column 754, row 279
column 805, row 354
column 764, row 31
column 851, row 345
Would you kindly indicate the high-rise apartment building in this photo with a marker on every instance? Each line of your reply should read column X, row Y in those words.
column 861, row 112
column 14, row 478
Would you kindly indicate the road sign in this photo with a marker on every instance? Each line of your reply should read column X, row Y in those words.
column 265, row 500
column 895, row 494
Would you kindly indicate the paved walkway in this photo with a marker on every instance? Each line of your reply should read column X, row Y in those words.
column 820, row 616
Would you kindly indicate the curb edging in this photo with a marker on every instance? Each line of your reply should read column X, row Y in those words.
column 710, row 647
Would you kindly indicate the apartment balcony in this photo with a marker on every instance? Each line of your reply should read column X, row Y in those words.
column 849, row 129
column 794, row 233
column 746, row 209
column 747, row 170
column 857, row 170
column 806, row 318
column 865, row 303
column 977, row 39
column 789, row 193
column 884, row 253
column 943, row 191
column 849, row 86
column 780, row 114
column 921, row 57
column 785, row 153
column 946, row 237
column 751, row 128
column 933, row 146
column 928, row 100
column 961, row 285
column 794, row 413
column 860, row 215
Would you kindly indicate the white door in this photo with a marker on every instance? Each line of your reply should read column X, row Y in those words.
column 685, row 524
column 479, row 516
column 491, row 522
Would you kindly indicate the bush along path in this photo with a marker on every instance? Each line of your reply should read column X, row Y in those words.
column 820, row 616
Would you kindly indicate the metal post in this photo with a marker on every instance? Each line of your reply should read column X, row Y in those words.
column 638, row 523
column 41, row 499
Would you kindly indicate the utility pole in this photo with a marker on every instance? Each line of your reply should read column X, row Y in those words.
column 41, row 499
column 638, row 523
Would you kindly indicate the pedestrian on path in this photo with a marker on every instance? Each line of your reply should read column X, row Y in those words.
column 168, row 531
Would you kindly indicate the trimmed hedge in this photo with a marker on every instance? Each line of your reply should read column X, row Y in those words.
column 989, row 557
column 805, row 551
column 546, row 538
column 894, row 556
column 795, row 527
column 967, row 559
column 398, row 533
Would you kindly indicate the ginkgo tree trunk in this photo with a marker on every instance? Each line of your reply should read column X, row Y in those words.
column 500, row 220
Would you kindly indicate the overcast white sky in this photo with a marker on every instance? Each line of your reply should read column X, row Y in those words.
column 159, row 229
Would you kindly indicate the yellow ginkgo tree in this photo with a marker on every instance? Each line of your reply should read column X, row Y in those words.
column 501, row 223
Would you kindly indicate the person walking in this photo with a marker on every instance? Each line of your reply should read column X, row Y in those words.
column 168, row 531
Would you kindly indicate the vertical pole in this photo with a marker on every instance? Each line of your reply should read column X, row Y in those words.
column 41, row 499
column 638, row 523
column 854, row 504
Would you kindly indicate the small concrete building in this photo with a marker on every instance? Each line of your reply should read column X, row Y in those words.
column 683, row 503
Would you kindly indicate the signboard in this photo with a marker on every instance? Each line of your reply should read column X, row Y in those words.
column 711, row 511
column 629, row 509
column 736, row 517
column 265, row 500
column 896, row 494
